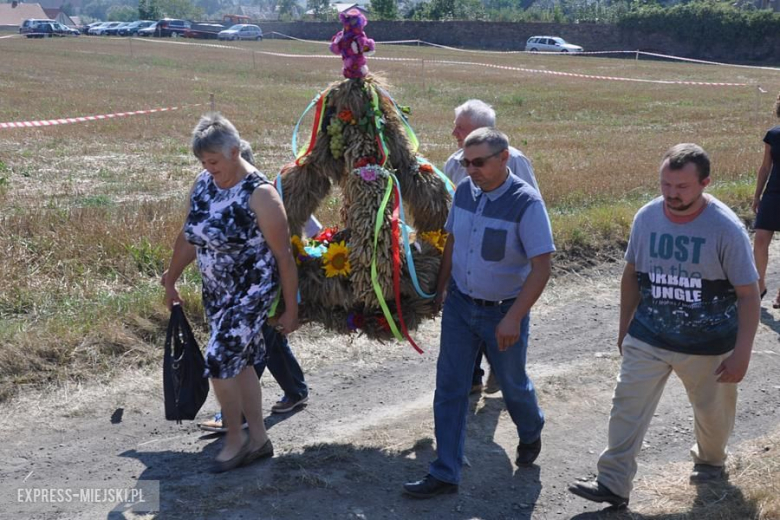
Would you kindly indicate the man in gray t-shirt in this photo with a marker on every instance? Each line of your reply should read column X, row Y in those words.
column 689, row 304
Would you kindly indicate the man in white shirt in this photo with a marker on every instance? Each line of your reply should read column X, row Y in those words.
column 470, row 116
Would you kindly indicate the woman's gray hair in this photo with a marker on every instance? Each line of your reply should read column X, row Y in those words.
column 214, row 133
column 496, row 140
column 478, row 112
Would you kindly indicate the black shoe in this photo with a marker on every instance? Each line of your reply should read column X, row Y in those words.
column 429, row 487
column 527, row 453
column 597, row 492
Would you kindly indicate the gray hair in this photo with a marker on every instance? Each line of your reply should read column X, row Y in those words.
column 246, row 152
column 496, row 140
column 681, row 154
column 214, row 133
column 479, row 113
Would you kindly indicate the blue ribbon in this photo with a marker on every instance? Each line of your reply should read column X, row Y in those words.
column 447, row 182
column 407, row 249
column 298, row 124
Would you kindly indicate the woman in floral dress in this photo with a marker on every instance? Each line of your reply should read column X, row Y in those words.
column 237, row 229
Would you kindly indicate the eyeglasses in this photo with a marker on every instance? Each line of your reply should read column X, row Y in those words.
column 479, row 162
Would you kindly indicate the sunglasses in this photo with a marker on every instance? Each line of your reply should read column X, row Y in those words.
column 479, row 162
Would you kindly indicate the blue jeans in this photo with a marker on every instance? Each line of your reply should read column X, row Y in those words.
column 282, row 364
column 464, row 326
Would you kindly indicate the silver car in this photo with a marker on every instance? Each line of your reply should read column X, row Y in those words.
column 550, row 44
column 241, row 31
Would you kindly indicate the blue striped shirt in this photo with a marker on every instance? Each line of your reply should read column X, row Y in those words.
column 496, row 234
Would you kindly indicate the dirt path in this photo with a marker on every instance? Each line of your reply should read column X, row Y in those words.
column 369, row 428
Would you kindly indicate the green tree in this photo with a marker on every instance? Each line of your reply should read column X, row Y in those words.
column 121, row 13
column 148, row 10
column 287, row 9
column 183, row 9
column 321, row 8
column 384, row 9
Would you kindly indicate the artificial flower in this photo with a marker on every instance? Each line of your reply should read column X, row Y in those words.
column 347, row 117
column 336, row 260
column 364, row 161
column 368, row 174
column 426, row 168
column 326, row 235
column 435, row 238
column 355, row 321
column 298, row 250
column 382, row 322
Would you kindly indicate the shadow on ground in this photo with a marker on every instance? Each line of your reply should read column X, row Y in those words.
column 723, row 500
column 342, row 480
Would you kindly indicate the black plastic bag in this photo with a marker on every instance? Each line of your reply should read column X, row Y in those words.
column 184, row 386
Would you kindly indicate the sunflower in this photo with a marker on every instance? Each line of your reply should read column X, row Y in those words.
column 298, row 249
column 435, row 238
column 336, row 260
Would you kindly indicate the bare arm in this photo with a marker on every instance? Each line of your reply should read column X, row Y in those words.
column 445, row 271
column 763, row 175
column 629, row 301
column 508, row 330
column 183, row 255
column 272, row 220
column 734, row 367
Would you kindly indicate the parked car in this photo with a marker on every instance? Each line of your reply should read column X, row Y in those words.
column 147, row 31
column 64, row 30
column 85, row 28
column 114, row 30
column 241, row 31
column 550, row 44
column 132, row 28
column 95, row 30
column 204, row 31
column 102, row 30
column 171, row 27
column 31, row 24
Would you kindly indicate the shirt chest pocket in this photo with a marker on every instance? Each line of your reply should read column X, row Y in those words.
column 494, row 244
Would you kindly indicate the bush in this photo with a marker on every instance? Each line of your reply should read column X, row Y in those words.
column 706, row 23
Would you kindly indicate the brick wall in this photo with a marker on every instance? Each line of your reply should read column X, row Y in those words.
column 512, row 36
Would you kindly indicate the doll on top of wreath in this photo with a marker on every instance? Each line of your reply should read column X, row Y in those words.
column 353, row 44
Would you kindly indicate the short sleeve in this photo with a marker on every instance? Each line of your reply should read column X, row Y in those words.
column 521, row 167
column 535, row 231
column 737, row 255
column 630, row 255
column 448, row 225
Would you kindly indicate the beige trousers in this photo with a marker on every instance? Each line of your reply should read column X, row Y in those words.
column 641, row 382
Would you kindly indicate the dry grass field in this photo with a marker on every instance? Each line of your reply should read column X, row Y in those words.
column 88, row 211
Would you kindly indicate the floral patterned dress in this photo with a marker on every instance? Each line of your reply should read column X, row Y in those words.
column 238, row 269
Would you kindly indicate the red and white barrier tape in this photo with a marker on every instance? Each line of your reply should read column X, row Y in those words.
column 84, row 119
column 487, row 65
column 570, row 54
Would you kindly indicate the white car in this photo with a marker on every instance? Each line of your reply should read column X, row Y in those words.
column 241, row 31
column 550, row 44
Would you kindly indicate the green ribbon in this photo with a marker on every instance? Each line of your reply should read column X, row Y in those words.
column 378, row 122
column 380, row 217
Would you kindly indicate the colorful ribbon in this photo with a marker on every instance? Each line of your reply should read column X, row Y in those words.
column 408, row 249
column 380, row 217
column 397, row 265
column 319, row 103
column 447, row 182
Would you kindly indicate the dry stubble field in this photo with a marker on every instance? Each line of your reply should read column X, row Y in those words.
column 88, row 211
